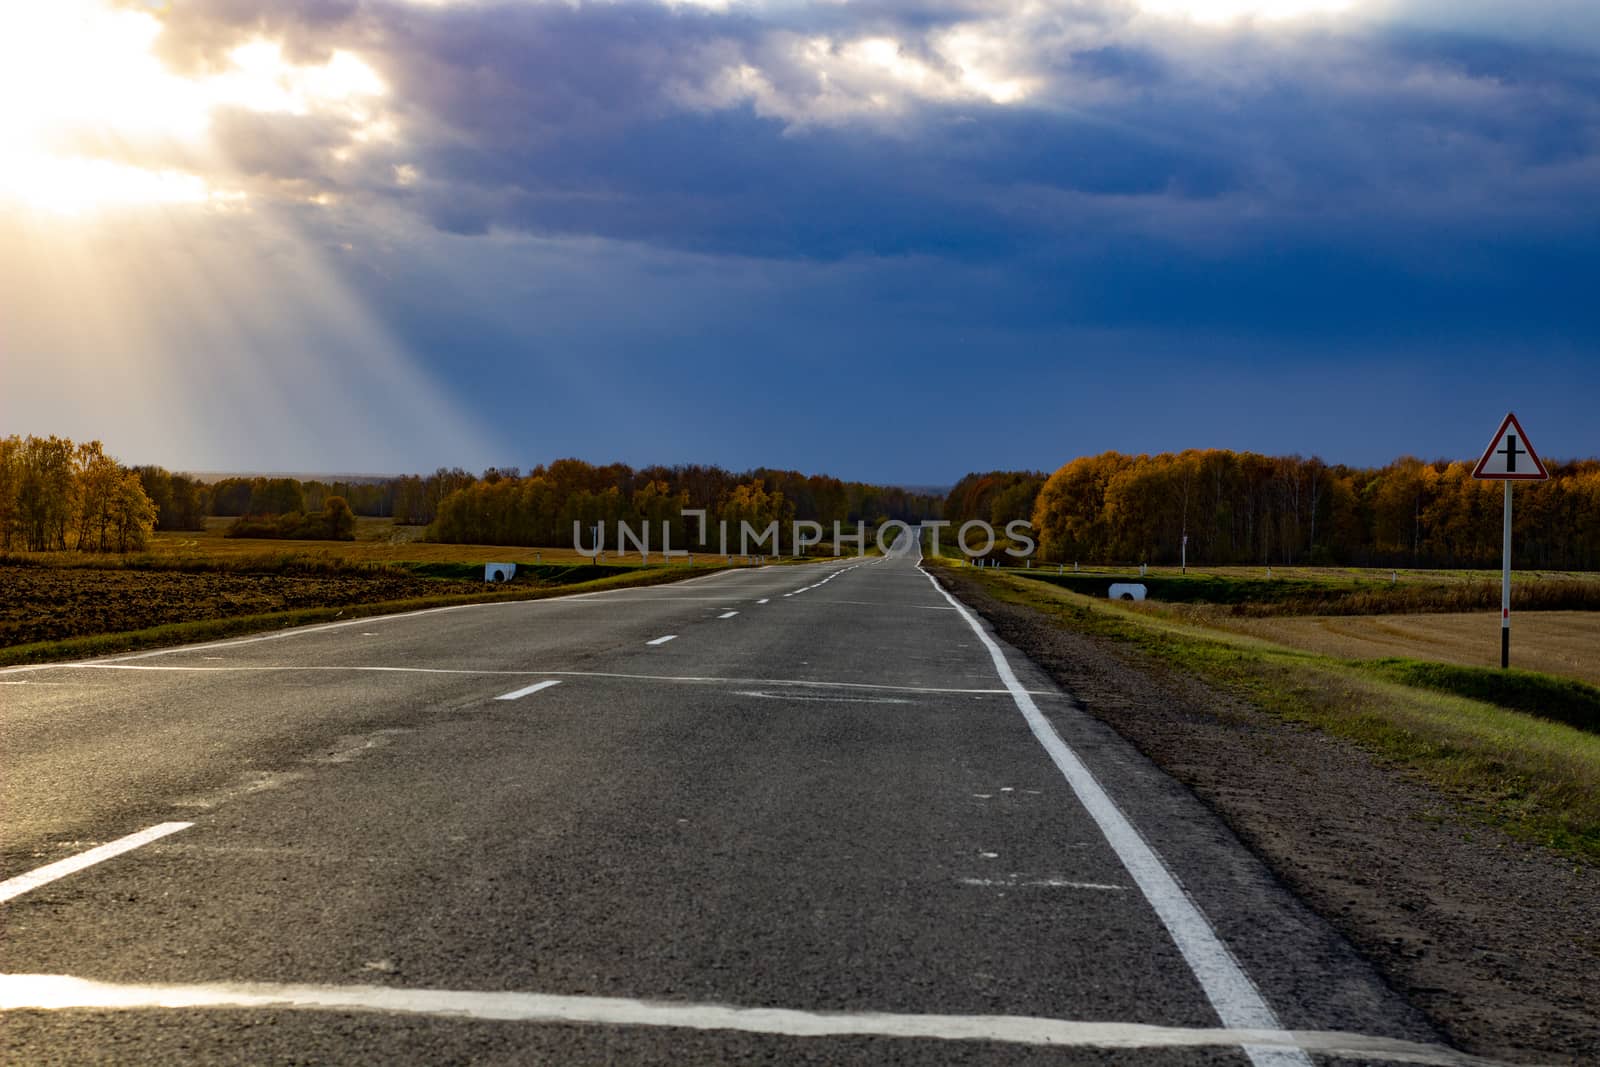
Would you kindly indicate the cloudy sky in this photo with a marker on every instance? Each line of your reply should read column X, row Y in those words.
column 892, row 239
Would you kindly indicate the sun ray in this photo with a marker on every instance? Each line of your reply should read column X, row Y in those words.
column 150, row 294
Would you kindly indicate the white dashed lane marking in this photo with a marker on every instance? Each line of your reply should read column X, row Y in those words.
column 22, row 883
column 518, row 694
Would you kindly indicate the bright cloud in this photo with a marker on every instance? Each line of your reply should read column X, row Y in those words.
column 262, row 80
column 819, row 79
column 90, row 117
column 1229, row 10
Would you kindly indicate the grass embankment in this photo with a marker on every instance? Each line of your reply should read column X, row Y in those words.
column 1519, row 749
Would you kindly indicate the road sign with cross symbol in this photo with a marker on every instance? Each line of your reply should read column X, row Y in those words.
column 1510, row 457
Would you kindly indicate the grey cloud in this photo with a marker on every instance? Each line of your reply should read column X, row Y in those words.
column 617, row 120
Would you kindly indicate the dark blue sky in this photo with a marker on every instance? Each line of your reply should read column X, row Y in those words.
column 893, row 241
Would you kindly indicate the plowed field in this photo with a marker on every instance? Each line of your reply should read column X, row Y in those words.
column 50, row 603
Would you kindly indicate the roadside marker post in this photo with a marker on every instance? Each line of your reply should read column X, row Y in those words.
column 1500, row 464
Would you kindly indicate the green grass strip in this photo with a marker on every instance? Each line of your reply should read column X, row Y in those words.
column 1559, row 699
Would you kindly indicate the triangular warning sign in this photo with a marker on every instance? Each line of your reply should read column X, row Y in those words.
column 1510, row 456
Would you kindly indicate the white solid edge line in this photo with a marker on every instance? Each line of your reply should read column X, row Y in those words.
column 1238, row 1003
column 518, row 694
column 22, row 883
column 663, row 640
column 54, row 992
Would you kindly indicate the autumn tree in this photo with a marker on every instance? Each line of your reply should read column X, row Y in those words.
column 10, row 483
column 46, row 492
column 752, row 503
column 339, row 519
column 132, row 513
column 99, row 485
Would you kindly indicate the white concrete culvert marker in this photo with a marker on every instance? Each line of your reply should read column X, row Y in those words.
column 1237, row 1001
column 518, row 694
column 12, row 888
column 663, row 640
column 58, row 992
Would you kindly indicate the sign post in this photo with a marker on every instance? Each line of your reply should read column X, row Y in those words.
column 1500, row 464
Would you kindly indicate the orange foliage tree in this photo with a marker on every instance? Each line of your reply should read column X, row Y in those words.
column 1244, row 508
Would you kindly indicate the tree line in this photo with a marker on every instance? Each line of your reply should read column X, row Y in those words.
column 1242, row 508
column 506, row 507
column 56, row 494
column 335, row 521
column 408, row 499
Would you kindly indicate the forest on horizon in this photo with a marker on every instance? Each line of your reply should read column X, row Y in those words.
column 1242, row 508
column 1237, row 508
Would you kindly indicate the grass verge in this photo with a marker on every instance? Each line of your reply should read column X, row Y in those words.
column 1336, row 595
column 1508, row 746
column 212, row 629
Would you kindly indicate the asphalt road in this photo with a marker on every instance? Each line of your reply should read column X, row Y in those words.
column 830, row 820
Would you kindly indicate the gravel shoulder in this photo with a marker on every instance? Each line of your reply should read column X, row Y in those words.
column 1495, row 940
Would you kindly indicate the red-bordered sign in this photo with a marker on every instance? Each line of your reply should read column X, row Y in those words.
column 1510, row 456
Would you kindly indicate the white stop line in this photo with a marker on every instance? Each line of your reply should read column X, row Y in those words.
column 55, row 992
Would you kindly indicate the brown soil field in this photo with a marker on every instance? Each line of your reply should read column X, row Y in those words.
column 1565, row 643
column 51, row 603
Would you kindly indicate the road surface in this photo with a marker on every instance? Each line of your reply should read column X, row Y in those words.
column 795, row 814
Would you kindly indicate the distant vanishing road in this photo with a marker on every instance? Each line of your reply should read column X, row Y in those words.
column 797, row 814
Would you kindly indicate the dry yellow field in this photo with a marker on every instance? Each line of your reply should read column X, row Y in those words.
column 1335, row 576
column 377, row 541
column 1565, row 643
